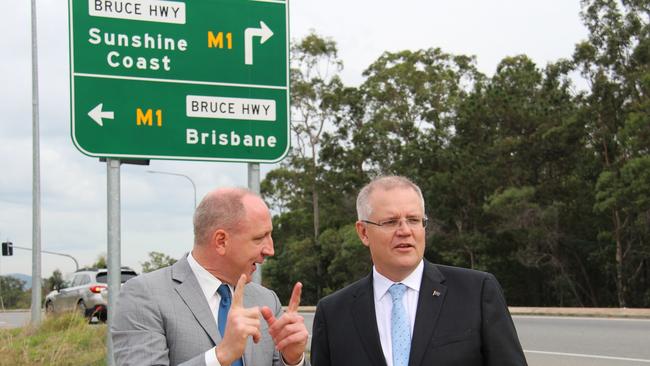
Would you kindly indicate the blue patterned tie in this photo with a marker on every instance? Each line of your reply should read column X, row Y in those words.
column 224, row 306
column 400, row 327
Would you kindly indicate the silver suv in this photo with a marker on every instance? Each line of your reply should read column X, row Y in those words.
column 86, row 292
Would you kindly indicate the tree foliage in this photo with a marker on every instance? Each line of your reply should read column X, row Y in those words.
column 101, row 262
column 12, row 294
column 524, row 174
column 156, row 261
column 53, row 282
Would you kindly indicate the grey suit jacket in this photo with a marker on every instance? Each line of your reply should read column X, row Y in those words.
column 162, row 318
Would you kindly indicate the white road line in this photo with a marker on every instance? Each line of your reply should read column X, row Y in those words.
column 588, row 356
column 569, row 318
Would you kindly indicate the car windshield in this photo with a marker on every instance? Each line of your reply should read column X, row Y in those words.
column 103, row 277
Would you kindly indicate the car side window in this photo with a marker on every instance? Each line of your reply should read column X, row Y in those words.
column 76, row 281
column 85, row 280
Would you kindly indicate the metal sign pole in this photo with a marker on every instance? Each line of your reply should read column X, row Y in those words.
column 2, row 304
column 254, row 185
column 113, row 252
column 36, row 185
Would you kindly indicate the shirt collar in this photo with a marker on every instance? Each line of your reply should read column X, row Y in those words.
column 381, row 284
column 208, row 282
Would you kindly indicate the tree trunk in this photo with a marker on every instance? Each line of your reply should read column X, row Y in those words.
column 589, row 290
column 620, row 275
column 319, row 266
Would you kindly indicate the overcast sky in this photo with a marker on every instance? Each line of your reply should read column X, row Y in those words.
column 157, row 209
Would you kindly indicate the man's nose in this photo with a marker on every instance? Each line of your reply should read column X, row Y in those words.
column 403, row 227
column 268, row 250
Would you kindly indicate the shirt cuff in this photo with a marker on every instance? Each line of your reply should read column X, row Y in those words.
column 211, row 357
column 301, row 363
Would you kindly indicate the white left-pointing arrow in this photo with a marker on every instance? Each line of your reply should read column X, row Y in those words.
column 97, row 114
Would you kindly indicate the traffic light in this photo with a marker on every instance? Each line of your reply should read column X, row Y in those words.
column 7, row 249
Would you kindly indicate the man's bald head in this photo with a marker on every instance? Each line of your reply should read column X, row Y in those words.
column 221, row 208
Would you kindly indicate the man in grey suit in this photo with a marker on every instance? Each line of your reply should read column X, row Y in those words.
column 176, row 315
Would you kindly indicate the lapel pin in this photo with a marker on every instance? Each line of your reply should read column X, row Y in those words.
column 436, row 293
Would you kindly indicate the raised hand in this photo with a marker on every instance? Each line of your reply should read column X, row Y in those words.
column 289, row 332
column 241, row 323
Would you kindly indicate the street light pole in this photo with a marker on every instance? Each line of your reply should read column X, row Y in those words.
column 180, row 175
column 36, row 184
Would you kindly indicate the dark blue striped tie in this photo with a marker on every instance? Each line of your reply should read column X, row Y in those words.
column 224, row 306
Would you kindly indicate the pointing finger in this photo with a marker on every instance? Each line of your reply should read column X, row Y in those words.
column 268, row 315
column 294, row 302
column 238, row 297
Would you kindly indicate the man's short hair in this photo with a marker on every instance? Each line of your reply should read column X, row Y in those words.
column 388, row 182
column 219, row 210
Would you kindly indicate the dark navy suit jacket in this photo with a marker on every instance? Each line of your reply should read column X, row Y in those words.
column 462, row 319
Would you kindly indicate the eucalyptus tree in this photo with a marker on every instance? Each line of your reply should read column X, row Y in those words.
column 315, row 82
column 615, row 62
column 399, row 120
column 518, row 161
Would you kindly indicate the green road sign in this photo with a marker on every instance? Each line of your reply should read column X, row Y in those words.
column 195, row 80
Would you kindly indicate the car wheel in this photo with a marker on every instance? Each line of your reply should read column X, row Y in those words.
column 81, row 308
column 49, row 308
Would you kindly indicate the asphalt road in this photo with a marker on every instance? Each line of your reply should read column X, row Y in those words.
column 547, row 340
column 560, row 341
column 14, row 319
column 571, row 341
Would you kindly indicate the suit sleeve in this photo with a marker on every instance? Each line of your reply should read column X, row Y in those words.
column 320, row 353
column 501, row 345
column 137, row 331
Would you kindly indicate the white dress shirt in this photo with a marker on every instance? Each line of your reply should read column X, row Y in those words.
column 384, row 305
column 209, row 285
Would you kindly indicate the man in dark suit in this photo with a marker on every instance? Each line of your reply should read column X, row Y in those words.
column 408, row 311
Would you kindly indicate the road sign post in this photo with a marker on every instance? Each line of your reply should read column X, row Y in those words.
column 200, row 80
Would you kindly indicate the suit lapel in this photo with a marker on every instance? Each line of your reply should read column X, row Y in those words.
column 365, row 321
column 250, row 301
column 189, row 290
column 431, row 298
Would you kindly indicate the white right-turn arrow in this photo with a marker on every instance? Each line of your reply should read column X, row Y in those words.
column 263, row 31
column 97, row 114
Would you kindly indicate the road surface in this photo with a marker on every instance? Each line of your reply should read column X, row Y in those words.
column 547, row 340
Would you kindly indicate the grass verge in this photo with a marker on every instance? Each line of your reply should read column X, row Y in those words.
column 60, row 340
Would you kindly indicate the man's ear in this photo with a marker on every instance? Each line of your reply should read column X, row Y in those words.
column 362, row 231
column 220, row 241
